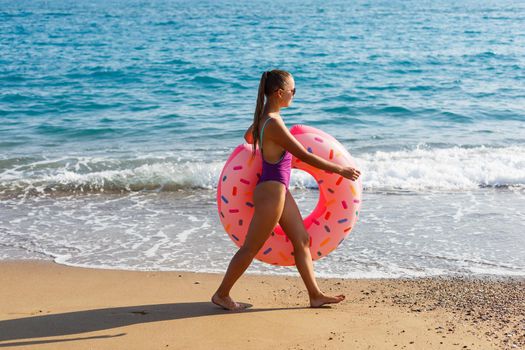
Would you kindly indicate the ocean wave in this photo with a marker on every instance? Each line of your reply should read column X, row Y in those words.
column 420, row 169
column 70, row 175
column 453, row 168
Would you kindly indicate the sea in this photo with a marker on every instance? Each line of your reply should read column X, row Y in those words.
column 116, row 118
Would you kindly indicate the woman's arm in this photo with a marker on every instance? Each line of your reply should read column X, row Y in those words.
column 248, row 134
column 281, row 135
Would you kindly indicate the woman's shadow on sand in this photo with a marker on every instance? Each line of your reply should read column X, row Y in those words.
column 76, row 322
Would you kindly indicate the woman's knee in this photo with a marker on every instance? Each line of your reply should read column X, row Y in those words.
column 303, row 242
column 248, row 251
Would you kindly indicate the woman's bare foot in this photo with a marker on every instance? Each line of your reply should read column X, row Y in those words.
column 325, row 299
column 228, row 303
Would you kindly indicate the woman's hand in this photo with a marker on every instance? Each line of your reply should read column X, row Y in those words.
column 350, row 173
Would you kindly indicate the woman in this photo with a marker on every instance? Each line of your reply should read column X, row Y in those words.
column 273, row 201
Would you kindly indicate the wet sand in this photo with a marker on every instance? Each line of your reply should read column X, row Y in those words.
column 44, row 305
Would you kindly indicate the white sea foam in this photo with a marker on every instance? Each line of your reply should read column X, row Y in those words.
column 444, row 169
column 420, row 169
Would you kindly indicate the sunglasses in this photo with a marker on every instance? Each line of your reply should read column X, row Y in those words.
column 292, row 90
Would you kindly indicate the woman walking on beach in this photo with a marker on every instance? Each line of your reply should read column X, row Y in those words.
column 273, row 202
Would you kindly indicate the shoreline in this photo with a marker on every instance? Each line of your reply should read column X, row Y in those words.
column 49, row 305
column 187, row 235
column 293, row 274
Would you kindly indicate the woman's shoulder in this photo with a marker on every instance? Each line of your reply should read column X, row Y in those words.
column 273, row 126
column 267, row 118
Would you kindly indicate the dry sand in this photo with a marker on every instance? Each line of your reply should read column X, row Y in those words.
column 44, row 305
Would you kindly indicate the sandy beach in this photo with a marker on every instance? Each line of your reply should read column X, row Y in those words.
column 44, row 305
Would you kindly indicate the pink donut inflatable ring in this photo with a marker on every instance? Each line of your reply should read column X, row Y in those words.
column 328, row 224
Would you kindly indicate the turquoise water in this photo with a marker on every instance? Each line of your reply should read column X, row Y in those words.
column 104, row 103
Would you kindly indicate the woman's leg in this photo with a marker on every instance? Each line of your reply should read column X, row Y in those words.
column 268, row 199
column 292, row 224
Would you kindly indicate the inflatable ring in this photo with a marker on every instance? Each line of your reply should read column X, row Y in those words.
column 329, row 223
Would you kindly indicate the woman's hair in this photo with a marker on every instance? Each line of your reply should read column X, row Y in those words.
column 270, row 81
